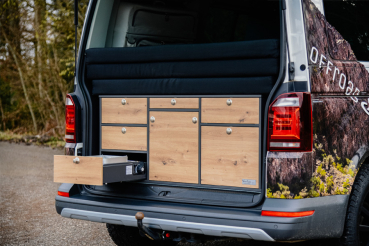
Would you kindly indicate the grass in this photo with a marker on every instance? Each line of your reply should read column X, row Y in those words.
column 8, row 136
column 52, row 142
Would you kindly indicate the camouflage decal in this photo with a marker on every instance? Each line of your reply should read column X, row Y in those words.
column 341, row 132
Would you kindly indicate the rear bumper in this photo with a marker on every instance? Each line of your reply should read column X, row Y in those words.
column 169, row 225
column 326, row 222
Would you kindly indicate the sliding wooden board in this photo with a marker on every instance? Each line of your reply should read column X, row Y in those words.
column 192, row 103
column 237, row 111
column 134, row 138
column 173, row 147
column 134, row 110
column 89, row 171
column 230, row 159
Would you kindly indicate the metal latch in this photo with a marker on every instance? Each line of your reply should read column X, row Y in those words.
column 291, row 69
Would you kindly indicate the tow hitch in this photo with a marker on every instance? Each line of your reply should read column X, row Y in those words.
column 145, row 230
column 167, row 236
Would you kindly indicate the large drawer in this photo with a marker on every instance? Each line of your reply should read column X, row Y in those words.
column 91, row 170
column 124, row 138
column 230, row 110
column 230, row 156
column 190, row 103
column 124, row 110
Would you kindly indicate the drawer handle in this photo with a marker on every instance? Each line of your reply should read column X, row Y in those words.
column 173, row 102
column 124, row 101
column 76, row 160
column 229, row 102
column 229, row 131
column 194, row 120
column 152, row 119
column 124, row 130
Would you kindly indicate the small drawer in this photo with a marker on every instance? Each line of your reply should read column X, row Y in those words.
column 191, row 103
column 90, row 170
column 124, row 110
column 230, row 110
column 124, row 138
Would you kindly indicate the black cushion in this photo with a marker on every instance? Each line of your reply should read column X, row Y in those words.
column 248, row 67
column 184, row 86
column 187, row 69
column 268, row 48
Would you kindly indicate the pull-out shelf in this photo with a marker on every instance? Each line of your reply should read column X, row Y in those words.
column 91, row 170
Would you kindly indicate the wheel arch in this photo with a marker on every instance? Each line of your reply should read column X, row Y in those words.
column 360, row 157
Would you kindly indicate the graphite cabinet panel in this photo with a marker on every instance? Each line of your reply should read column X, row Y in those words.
column 173, row 147
column 230, row 158
column 124, row 138
column 191, row 103
column 230, row 110
column 124, row 110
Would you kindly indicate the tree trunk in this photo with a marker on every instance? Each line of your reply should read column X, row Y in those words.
column 13, row 52
column 2, row 115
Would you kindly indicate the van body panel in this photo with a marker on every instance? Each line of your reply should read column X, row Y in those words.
column 340, row 119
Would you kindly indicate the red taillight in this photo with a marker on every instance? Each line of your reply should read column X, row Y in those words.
column 70, row 120
column 290, row 123
column 60, row 193
column 287, row 214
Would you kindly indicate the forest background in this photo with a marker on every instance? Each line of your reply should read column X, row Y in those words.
column 37, row 43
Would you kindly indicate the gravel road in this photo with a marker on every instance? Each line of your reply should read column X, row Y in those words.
column 27, row 205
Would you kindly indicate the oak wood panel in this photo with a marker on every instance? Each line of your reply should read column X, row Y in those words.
column 135, row 138
column 173, row 148
column 133, row 112
column 191, row 103
column 241, row 111
column 228, row 159
column 88, row 172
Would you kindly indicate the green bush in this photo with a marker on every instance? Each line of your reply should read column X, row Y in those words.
column 346, row 184
column 329, row 183
column 321, row 187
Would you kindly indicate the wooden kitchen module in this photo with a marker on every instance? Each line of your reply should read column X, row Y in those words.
column 124, row 110
column 173, row 150
column 230, row 156
column 187, row 139
column 230, row 110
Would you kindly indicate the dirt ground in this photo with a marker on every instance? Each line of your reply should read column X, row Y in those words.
column 27, row 205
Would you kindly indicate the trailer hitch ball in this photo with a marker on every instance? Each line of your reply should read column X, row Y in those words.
column 139, row 216
column 146, row 230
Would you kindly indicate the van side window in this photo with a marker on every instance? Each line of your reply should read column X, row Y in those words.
column 240, row 22
column 351, row 18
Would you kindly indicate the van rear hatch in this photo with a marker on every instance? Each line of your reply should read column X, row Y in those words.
column 190, row 110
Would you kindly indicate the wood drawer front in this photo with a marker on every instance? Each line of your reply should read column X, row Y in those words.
column 133, row 112
column 88, row 172
column 192, row 103
column 230, row 159
column 135, row 138
column 174, row 151
column 241, row 110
